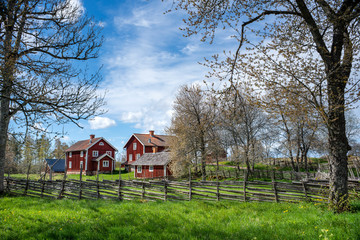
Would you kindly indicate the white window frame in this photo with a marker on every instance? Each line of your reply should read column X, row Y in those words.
column 101, row 143
column 109, row 153
column 106, row 165
column 70, row 154
column 81, row 154
column 130, row 157
column 138, row 156
column 70, row 164
column 82, row 165
column 139, row 169
column 151, row 168
column 95, row 153
column 134, row 146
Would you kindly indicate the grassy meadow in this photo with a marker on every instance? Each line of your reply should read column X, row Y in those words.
column 34, row 218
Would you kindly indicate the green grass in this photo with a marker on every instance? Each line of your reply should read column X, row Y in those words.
column 105, row 176
column 33, row 218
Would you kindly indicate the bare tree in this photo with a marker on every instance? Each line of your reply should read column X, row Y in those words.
column 192, row 121
column 319, row 41
column 40, row 82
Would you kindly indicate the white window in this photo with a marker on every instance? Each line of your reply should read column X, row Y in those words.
column 105, row 163
column 108, row 153
column 137, row 156
column 130, row 157
column 81, row 165
column 70, row 154
column 81, row 154
column 70, row 164
column 134, row 146
column 151, row 168
column 95, row 153
column 139, row 169
column 101, row 144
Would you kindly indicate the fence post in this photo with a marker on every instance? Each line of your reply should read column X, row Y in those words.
column 245, row 179
column 97, row 182
column 165, row 191
column 42, row 187
column 143, row 190
column 8, row 182
column 275, row 191
column 190, row 190
column 305, row 190
column 119, row 187
column 217, row 191
column 62, row 190
column 80, row 190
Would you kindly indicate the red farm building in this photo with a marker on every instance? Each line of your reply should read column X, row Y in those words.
column 152, row 165
column 139, row 144
column 91, row 154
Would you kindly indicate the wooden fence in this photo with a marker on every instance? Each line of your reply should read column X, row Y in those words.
column 175, row 190
column 258, row 173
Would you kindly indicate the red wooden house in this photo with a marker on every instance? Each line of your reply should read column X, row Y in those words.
column 139, row 144
column 152, row 165
column 91, row 154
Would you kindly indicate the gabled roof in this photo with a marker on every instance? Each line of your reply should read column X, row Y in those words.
column 85, row 144
column 153, row 159
column 101, row 157
column 155, row 140
column 59, row 164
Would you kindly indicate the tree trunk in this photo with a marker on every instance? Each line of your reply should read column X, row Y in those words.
column 338, row 144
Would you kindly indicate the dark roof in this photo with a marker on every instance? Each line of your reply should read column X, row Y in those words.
column 82, row 145
column 85, row 144
column 155, row 140
column 59, row 164
column 156, row 159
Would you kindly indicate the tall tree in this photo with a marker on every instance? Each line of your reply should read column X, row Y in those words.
column 40, row 40
column 192, row 121
column 318, row 37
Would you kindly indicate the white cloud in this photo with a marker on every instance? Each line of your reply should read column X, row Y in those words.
column 101, row 123
column 148, row 62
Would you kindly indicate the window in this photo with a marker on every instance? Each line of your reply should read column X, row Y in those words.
column 139, row 169
column 95, row 153
column 134, row 146
column 137, row 156
column 81, row 165
column 70, row 164
column 151, row 168
column 130, row 157
column 81, row 154
column 70, row 154
column 105, row 163
column 108, row 153
column 101, row 144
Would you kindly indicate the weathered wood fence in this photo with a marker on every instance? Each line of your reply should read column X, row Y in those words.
column 175, row 190
column 258, row 173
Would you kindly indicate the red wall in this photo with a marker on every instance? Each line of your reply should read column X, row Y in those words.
column 157, row 173
column 130, row 150
column 91, row 165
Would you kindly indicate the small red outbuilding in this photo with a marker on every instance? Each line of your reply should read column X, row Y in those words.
column 152, row 165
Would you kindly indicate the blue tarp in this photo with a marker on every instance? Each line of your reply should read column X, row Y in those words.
column 59, row 165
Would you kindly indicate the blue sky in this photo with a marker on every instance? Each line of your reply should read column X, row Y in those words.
column 144, row 59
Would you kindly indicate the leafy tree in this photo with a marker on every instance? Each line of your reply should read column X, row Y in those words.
column 40, row 82
column 59, row 149
column 311, row 50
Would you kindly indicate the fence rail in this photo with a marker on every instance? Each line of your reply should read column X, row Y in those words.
column 175, row 190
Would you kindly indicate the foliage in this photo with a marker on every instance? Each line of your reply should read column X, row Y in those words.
column 66, row 219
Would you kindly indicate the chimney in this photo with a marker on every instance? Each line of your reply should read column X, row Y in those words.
column 92, row 136
column 151, row 132
column 155, row 149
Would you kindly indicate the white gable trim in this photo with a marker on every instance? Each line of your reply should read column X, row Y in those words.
column 104, row 155
column 99, row 141
column 137, row 139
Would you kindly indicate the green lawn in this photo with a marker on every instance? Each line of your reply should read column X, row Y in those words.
column 33, row 218
column 107, row 176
